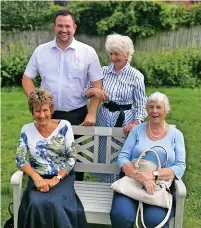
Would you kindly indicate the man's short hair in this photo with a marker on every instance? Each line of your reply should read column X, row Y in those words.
column 64, row 13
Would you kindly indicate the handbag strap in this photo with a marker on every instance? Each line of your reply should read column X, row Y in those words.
column 144, row 154
column 9, row 209
column 141, row 211
column 166, row 155
column 158, row 159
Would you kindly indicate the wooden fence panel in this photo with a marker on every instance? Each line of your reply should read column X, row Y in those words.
column 162, row 41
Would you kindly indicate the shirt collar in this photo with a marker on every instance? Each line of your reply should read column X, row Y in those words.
column 111, row 68
column 73, row 44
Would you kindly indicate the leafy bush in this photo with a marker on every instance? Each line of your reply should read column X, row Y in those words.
column 13, row 64
column 181, row 67
column 192, row 15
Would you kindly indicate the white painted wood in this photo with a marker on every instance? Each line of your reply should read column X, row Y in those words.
column 82, row 139
column 103, row 131
column 122, row 140
column 114, row 155
column 116, row 146
column 96, row 199
column 84, row 151
column 82, row 159
column 180, row 197
column 108, row 150
column 85, row 146
column 97, row 168
column 81, row 130
column 96, row 148
column 16, row 182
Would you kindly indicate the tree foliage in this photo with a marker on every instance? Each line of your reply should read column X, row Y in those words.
column 131, row 18
column 26, row 15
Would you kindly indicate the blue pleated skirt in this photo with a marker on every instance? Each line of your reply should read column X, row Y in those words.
column 58, row 208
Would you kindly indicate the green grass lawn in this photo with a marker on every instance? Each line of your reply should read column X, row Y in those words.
column 185, row 114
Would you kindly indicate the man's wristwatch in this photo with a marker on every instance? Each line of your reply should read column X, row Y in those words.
column 155, row 173
column 59, row 177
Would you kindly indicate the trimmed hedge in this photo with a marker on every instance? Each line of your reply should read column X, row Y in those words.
column 181, row 68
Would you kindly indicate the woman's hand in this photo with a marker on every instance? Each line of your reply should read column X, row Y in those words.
column 40, row 183
column 99, row 93
column 150, row 186
column 127, row 128
column 141, row 177
column 52, row 182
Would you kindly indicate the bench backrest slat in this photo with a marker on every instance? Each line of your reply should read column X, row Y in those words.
column 88, row 146
column 97, row 168
column 96, row 146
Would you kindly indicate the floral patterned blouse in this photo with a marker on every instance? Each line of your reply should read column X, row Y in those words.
column 47, row 155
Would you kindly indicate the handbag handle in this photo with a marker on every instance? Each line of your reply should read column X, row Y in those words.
column 166, row 155
column 158, row 159
column 9, row 209
column 143, row 154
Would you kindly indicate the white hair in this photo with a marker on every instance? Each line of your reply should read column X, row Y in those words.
column 119, row 43
column 159, row 97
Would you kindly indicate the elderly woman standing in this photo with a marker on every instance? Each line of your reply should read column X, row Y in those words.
column 49, row 200
column 155, row 132
column 124, row 92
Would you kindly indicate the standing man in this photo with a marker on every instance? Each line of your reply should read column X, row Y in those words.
column 66, row 66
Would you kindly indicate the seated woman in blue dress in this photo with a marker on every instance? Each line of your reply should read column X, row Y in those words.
column 155, row 132
column 49, row 200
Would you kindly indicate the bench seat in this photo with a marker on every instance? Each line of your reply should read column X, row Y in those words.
column 96, row 199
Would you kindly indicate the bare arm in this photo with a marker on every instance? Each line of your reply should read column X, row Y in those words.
column 94, row 103
column 27, row 84
column 99, row 93
column 163, row 174
column 130, row 170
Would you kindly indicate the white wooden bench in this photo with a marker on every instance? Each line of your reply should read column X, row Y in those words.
column 97, row 197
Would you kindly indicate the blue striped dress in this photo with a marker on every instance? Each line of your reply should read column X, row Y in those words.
column 125, row 87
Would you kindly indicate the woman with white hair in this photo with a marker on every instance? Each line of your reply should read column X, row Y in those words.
column 123, row 93
column 155, row 132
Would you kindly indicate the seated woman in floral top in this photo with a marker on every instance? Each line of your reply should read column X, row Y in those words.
column 49, row 199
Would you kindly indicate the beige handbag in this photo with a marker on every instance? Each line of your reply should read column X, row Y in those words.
column 129, row 187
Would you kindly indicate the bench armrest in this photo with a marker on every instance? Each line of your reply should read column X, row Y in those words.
column 180, row 197
column 16, row 182
column 180, row 188
column 16, row 178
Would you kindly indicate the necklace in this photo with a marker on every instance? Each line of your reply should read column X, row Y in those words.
column 156, row 136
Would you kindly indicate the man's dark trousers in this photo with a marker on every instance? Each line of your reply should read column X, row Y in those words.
column 75, row 117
